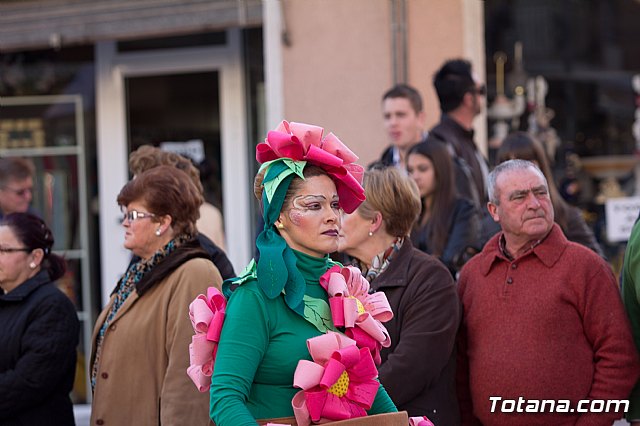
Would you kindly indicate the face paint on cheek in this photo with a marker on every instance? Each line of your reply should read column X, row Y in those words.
column 296, row 216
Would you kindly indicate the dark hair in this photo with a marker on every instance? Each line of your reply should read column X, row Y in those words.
column 523, row 146
column 15, row 168
column 166, row 190
column 452, row 81
column 438, row 219
column 34, row 234
column 407, row 92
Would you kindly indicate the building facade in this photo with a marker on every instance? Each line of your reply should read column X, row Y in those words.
column 85, row 82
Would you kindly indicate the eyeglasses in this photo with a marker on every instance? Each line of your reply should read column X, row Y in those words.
column 4, row 250
column 479, row 90
column 19, row 192
column 133, row 215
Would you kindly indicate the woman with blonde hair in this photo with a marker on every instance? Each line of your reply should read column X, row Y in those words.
column 418, row 369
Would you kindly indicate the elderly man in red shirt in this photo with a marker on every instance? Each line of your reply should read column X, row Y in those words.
column 544, row 340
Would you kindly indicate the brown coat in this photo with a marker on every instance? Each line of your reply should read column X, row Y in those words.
column 142, row 378
column 418, row 369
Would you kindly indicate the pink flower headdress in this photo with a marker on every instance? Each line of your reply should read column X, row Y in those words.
column 305, row 142
column 360, row 312
column 338, row 384
column 207, row 315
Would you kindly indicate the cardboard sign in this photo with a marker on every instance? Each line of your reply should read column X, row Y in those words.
column 620, row 215
column 193, row 149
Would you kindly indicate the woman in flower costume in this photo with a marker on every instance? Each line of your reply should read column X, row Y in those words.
column 278, row 302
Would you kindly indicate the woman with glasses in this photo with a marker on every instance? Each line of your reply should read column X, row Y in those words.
column 16, row 185
column 147, row 157
column 139, row 355
column 39, row 327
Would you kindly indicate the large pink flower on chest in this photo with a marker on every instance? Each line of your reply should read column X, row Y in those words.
column 360, row 312
column 207, row 316
column 339, row 384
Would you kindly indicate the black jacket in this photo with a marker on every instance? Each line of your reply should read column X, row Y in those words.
column 39, row 332
column 467, row 158
column 217, row 256
column 462, row 235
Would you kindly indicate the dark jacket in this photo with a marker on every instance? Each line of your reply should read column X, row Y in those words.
column 39, row 332
column 418, row 369
column 386, row 158
column 217, row 256
column 461, row 141
column 463, row 233
column 579, row 232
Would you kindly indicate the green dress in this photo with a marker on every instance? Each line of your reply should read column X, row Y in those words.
column 631, row 299
column 261, row 343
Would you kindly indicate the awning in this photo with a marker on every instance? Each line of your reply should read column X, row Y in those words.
column 54, row 23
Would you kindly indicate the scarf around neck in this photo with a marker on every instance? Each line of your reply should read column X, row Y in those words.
column 141, row 275
column 380, row 262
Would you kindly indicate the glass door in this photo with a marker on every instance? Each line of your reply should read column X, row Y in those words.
column 179, row 113
column 189, row 99
column 49, row 130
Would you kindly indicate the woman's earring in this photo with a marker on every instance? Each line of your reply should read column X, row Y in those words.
column 158, row 232
column 280, row 226
column 370, row 234
column 32, row 265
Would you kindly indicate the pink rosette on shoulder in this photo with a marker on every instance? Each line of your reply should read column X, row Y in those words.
column 420, row 421
column 360, row 312
column 207, row 315
column 339, row 383
column 305, row 142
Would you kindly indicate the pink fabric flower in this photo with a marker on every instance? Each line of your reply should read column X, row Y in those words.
column 420, row 421
column 304, row 142
column 353, row 307
column 207, row 315
column 338, row 384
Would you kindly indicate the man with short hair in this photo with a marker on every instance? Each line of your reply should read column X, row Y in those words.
column 16, row 185
column 461, row 98
column 543, row 318
column 404, row 120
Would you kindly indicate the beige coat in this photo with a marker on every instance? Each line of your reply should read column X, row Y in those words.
column 142, row 378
